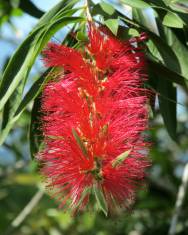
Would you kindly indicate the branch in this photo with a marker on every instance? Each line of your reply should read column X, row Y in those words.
column 25, row 212
column 179, row 201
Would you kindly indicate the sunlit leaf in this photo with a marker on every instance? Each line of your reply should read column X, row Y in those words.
column 112, row 24
column 121, row 158
column 20, row 65
column 107, row 8
column 21, row 62
column 136, row 3
column 172, row 20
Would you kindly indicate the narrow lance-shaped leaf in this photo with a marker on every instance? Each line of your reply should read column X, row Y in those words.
column 179, row 50
column 48, row 17
column 101, row 201
column 121, row 158
column 85, row 193
column 136, row 3
column 32, row 93
column 167, row 104
column 79, row 142
column 5, row 112
column 28, row 7
column 165, row 72
column 35, row 132
column 8, row 112
column 36, row 88
column 169, row 50
column 40, row 41
column 21, row 62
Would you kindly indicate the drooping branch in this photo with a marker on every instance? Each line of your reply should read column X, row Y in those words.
column 25, row 212
column 179, row 201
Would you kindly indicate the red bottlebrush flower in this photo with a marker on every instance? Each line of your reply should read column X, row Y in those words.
column 95, row 113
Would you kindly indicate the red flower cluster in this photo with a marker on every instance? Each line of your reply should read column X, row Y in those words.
column 95, row 113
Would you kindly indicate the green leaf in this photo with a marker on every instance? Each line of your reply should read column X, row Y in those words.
column 34, row 90
column 145, row 21
column 168, row 74
column 5, row 115
column 48, row 17
column 179, row 49
column 113, row 25
column 22, row 75
column 180, row 6
column 9, row 81
column 28, row 7
column 32, row 93
column 21, row 62
column 180, row 10
column 172, row 20
column 8, row 111
column 79, row 142
column 136, row 3
column 35, row 132
column 121, row 158
column 167, row 48
column 167, row 2
column 161, row 80
column 20, row 65
column 159, row 48
column 174, row 58
column 167, row 104
column 84, row 194
column 159, row 5
column 101, row 201
column 107, row 8
column 80, row 36
column 185, row 2
column 170, row 52
column 98, row 10
column 133, row 32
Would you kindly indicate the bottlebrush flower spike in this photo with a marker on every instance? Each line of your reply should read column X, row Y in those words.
column 94, row 116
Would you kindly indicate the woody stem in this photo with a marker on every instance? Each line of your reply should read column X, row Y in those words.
column 88, row 14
